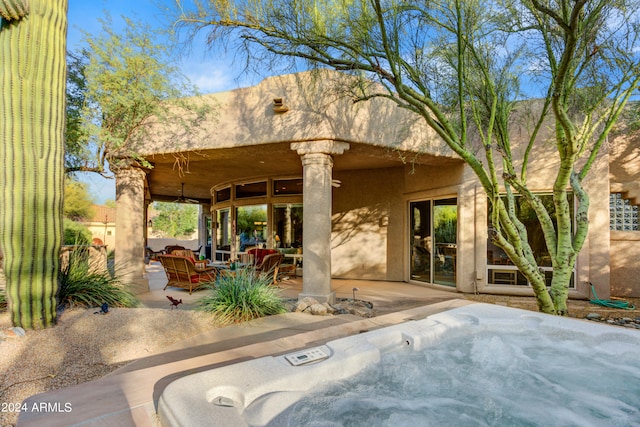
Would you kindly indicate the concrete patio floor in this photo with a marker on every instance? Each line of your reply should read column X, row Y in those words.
column 386, row 297
column 128, row 396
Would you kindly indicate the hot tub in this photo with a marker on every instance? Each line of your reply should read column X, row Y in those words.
column 479, row 364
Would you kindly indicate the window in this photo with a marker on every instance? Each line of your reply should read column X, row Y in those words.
column 434, row 241
column 623, row 215
column 223, row 195
column 501, row 270
column 287, row 219
column 251, row 226
column 287, row 187
column 223, row 234
column 253, row 189
column 207, row 227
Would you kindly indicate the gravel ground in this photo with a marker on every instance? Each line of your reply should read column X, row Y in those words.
column 85, row 346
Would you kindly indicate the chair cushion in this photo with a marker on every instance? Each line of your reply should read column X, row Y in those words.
column 259, row 254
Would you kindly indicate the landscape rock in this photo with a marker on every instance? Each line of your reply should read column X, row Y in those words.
column 329, row 307
column 625, row 322
column 310, row 301
column 318, row 310
column 300, row 306
column 15, row 332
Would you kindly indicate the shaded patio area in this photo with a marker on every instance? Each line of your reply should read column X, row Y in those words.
column 385, row 296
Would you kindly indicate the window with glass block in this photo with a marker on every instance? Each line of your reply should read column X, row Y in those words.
column 623, row 214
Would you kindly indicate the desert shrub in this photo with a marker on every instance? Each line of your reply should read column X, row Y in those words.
column 242, row 296
column 76, row 233
column 3, row 300
column 83, row 283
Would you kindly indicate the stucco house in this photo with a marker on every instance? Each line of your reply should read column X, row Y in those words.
column 359, row 191
column 102, row 225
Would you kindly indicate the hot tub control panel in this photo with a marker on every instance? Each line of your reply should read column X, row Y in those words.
column 306, row 356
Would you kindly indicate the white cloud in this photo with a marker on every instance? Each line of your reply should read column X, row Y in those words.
column 212, row 76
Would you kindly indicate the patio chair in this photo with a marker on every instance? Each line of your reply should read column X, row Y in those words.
column 182, row 273
column 170, row 248
column 185, row 252
column 151, row 255
column 270, row 265
column 247, row 260
column 259, row 254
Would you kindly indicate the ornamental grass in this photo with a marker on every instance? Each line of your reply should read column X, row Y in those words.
column 85, row 284
column 242, row 295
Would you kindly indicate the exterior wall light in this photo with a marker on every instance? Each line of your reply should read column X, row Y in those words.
column 279, row 107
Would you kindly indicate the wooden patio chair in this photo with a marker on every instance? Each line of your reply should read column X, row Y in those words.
column 170, row 248
column 270, row 265
column 186, row 253
column 152, row 255
column 182, row 273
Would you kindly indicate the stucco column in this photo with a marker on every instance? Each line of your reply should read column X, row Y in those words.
column 130, row 228
column 317, row 164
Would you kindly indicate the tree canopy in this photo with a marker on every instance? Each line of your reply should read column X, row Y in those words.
column 175, row 219
column 77, row 201
column 118, row 86
column 464, row 66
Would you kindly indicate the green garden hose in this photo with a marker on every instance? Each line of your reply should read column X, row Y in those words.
column 610, row 303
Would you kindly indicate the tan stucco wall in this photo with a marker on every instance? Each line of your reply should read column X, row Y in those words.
column 624, row 176
column 624, row 170
column 370, row 224
column 625, row 268
column 106, row 234
column 319, row 108
column 367, row 225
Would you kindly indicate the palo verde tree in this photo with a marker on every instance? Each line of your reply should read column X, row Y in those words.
column 120, row 85
column 463, row 65
column 32, row 111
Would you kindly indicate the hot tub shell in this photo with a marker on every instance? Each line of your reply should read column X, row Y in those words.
column 227, row 396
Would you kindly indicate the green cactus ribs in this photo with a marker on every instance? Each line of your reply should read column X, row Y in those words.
column 13, row 10
column 32, row 111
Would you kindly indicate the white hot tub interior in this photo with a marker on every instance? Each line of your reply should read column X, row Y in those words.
column 478, row 365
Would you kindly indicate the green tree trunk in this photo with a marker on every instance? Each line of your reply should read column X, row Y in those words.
column 32, row 113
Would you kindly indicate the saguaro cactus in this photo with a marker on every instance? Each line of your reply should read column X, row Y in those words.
column 32, row 117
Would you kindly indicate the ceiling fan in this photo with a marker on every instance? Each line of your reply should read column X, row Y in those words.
column 183, row 199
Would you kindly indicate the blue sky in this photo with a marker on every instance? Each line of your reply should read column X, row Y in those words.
column 210, row 74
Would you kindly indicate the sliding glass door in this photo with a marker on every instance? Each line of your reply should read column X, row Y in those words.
column 433, row 240
column 421, row 242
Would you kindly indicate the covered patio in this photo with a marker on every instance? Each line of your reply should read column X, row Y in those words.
column 342, row 168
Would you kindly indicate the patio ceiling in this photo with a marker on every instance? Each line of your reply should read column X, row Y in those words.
column 202, row 170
